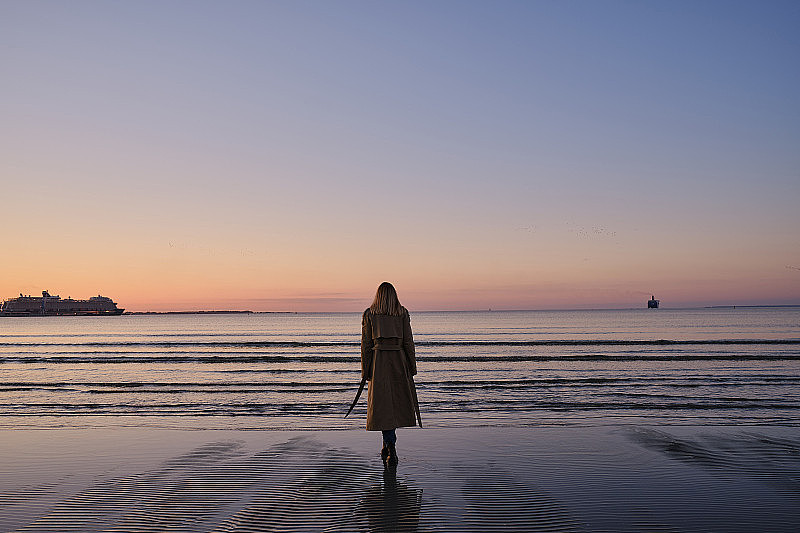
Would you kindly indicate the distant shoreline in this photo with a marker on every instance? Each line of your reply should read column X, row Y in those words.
column 748, row 306
column 187, row 312
column 216, row 312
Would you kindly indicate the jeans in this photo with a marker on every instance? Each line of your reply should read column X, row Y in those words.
column 389, row 436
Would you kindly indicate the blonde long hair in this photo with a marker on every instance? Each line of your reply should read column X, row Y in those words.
column 386, row 302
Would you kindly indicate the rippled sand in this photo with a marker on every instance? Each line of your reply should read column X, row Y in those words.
column 488, row 479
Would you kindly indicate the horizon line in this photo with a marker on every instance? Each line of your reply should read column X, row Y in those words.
column 477, row 310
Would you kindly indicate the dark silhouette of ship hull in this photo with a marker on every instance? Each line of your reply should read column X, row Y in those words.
column 652, row 303
column 47, row 305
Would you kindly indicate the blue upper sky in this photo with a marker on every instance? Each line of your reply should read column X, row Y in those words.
column 515, row 143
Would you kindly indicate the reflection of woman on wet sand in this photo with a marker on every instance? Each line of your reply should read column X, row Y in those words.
column 392, row 506
column 388, row 362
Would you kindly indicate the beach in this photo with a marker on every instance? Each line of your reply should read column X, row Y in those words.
column 617, row 420
column 635, row 478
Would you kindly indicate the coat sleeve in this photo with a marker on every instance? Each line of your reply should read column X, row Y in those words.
column 408, row 344
column 366, row 346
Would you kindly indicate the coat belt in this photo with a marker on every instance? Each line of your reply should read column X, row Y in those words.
column 382, row 346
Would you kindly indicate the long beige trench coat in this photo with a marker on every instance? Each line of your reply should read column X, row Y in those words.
column 388, row 361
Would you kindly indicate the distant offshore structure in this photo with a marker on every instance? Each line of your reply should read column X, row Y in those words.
column 652, row 303
column 46, row 305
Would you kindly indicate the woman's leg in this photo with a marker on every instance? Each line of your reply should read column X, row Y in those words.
column 389, row 453
column 389, row 436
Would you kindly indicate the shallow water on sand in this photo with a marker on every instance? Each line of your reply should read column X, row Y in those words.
column 476, row 479
column 300, row 371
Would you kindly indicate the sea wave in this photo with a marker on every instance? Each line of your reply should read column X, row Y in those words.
column 452, row 385
column 217, row 359
column 290, row 409
column 478, row 343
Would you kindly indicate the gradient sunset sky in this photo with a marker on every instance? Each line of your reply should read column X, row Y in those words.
column 290, row 156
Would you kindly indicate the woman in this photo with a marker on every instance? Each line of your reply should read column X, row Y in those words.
column 388, row 363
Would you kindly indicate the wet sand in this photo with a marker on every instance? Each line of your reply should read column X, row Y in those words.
column 481, row 479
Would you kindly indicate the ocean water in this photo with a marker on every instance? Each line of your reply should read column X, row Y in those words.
column 301, row 371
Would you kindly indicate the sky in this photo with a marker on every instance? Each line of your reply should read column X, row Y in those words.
column 292, row 155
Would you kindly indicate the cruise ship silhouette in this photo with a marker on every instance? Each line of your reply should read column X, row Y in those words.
column 47, row 305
